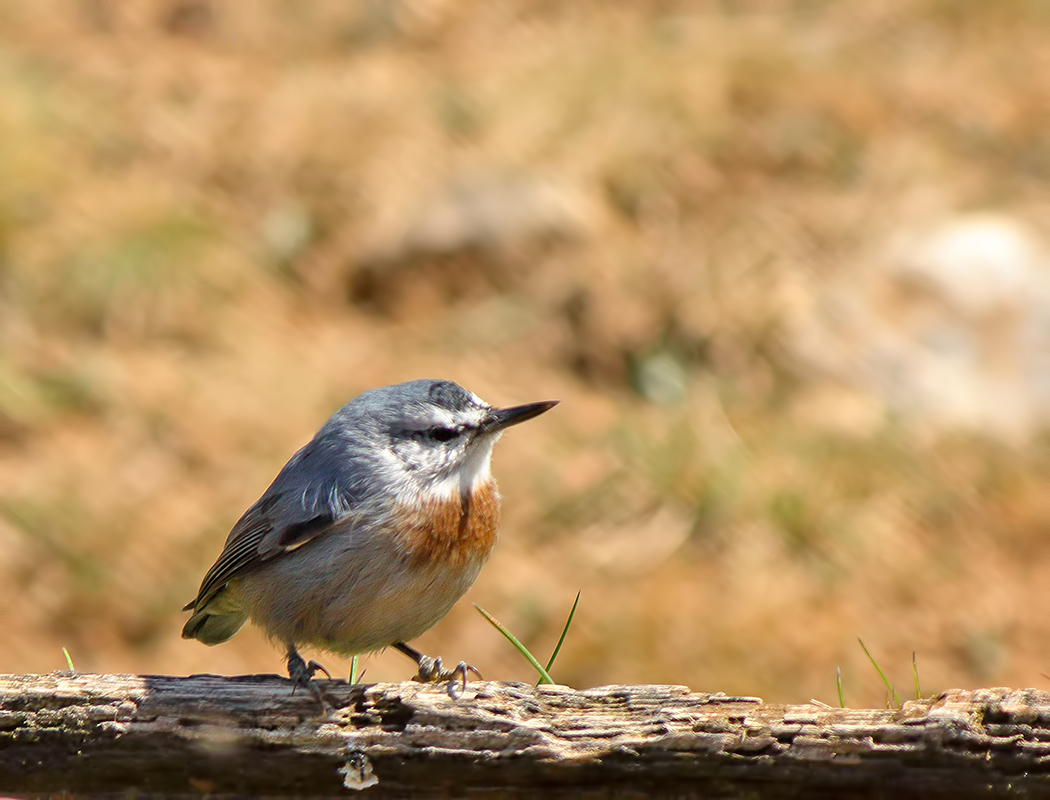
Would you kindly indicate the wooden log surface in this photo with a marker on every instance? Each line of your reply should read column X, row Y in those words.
column 86, row 734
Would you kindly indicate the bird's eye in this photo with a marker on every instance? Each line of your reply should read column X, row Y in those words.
column 443, row 434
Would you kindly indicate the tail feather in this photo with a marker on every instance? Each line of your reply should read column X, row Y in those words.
column 212, row 628
column 216, row 621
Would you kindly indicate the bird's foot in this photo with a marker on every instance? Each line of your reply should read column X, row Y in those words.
column 302, row 673
column 431, row 670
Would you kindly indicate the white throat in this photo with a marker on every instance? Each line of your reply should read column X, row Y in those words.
column 474, row 471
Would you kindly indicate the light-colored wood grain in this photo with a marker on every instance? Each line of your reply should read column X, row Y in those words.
column 93, row 734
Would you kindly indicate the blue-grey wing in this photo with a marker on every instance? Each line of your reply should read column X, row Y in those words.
column 309, row 496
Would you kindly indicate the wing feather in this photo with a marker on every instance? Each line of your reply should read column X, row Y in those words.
column 252, row 542
column 285, row 518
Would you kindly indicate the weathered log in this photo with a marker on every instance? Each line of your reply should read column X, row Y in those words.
column 104, row 734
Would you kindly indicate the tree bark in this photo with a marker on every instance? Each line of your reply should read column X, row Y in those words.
column 67, row 733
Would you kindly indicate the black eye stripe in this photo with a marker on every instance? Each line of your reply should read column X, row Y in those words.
column 439, row 434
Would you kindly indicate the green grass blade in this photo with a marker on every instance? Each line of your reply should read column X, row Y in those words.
column 838, row 685
column 510, row 637
column 564, row 631
column 882, row 674
column 69, row 661
column 353, row 671
column 915, row 672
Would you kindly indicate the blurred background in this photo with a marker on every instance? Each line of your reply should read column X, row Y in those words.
column 784, row 263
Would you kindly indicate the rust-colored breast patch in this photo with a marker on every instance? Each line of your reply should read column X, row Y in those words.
column 456, row 531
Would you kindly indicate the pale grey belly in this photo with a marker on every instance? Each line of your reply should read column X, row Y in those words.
column 349, row 596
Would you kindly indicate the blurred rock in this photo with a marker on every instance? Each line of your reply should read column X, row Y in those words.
column 977, row 265
column 659, row 377
column 478, row 229
column 949, row 323
column 287, row 231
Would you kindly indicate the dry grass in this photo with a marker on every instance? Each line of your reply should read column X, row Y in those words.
column 191, row 192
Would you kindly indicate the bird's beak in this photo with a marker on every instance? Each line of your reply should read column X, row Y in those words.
column 501, row 418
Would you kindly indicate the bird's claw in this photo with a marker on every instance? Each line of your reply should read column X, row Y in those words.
column 431, row 670
column 301, row 673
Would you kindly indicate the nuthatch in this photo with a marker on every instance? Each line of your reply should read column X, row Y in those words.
column 370, row 533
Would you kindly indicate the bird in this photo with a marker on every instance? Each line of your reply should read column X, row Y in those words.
column 369, row 534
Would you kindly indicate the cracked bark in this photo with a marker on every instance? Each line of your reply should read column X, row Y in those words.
column 103, row 734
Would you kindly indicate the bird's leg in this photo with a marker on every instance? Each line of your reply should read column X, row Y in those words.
column 431, row 670
column 302, row 674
